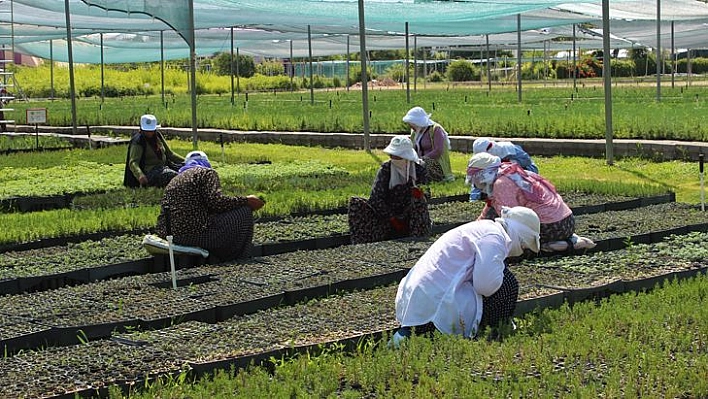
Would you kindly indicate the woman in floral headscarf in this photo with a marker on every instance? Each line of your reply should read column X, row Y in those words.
column 431, row 144
column 396, row 206
column 196, row 213
column 507, row 184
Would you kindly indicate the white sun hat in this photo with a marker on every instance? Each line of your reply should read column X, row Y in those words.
column 401, row 146
column 482, row 144
column 417, row 116
column 148, row 123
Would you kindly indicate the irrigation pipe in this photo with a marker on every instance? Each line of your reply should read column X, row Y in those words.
column 703, row 193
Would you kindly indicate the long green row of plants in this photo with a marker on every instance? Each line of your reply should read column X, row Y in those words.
column 296, row 179
column 597, row 226
column 464, row 110
column 31, row 142
column 651, row 345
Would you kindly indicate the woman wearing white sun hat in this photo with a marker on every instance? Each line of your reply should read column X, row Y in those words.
column 432, row 144
column 396, row 206
column 507, row 151
column 150, row 161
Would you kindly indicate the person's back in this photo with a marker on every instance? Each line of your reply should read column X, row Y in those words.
column 511, row 152
column 197, row 213
column 187, row 213
column 507, row 152
column 515, row 187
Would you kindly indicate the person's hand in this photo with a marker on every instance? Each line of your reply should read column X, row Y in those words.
column 399, row 225
column 417, row 193
column 254, row 202
column 143, row 180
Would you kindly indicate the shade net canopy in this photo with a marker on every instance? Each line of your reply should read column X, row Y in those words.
column 118, row 31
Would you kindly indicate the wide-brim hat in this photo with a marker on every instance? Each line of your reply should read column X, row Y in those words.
column 417, row 116
column 149, row 123
column 402, row 146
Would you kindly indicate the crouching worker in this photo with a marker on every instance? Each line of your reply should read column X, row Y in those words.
column 150, row 161
column 201, row 215
column 461, row 284
column 396, row 206
column 507, row 184
column 507, row 151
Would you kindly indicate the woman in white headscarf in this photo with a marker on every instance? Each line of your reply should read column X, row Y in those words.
column 507, row 184
column 461, row 284
column 432, row 144
column 396, row 206
column 507, row 151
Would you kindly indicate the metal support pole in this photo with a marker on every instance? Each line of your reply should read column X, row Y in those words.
column 72, row 85
column 405, row 71
column 607, row 81
column 309, row 47
column 364, row 78
column 162, row 68
column 703, row 193
column 518, row 50
column 659, row 58
column 231, row 67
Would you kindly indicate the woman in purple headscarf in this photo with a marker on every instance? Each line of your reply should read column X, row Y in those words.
column 196, row 213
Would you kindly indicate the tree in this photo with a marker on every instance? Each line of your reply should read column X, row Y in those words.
column 221, row 65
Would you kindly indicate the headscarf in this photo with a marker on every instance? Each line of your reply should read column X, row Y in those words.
column 402, row 170
column 417, row 116
column 523, row 226
column 195, row 159
column 482, row 169
column 482, row 144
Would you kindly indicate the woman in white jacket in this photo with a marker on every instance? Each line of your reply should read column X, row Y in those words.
column 461, row 284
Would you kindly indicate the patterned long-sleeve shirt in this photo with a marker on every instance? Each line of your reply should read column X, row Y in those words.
column 388, row 202
column 192, row 197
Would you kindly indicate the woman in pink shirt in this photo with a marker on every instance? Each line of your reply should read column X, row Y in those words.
column 507, row 184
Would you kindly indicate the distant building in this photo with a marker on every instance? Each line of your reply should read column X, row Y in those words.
column 21, row 59
column 695, row 53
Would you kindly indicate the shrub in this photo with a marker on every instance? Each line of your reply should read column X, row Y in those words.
column 622, row 68
column 221, row 65
column 397, row 72
column 436, row 77
column 698, row 65
column 462, row 71
column 270, row 68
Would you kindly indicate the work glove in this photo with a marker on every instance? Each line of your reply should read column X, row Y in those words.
column 417, row 193
column 399, row 225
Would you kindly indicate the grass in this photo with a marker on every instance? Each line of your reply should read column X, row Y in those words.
column 650, row 345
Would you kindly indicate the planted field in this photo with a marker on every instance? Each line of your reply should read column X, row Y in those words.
column 549, row 112
column 158, row 337
column 84, row 308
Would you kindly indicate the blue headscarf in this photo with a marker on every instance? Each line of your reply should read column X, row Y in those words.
column 195, row 159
